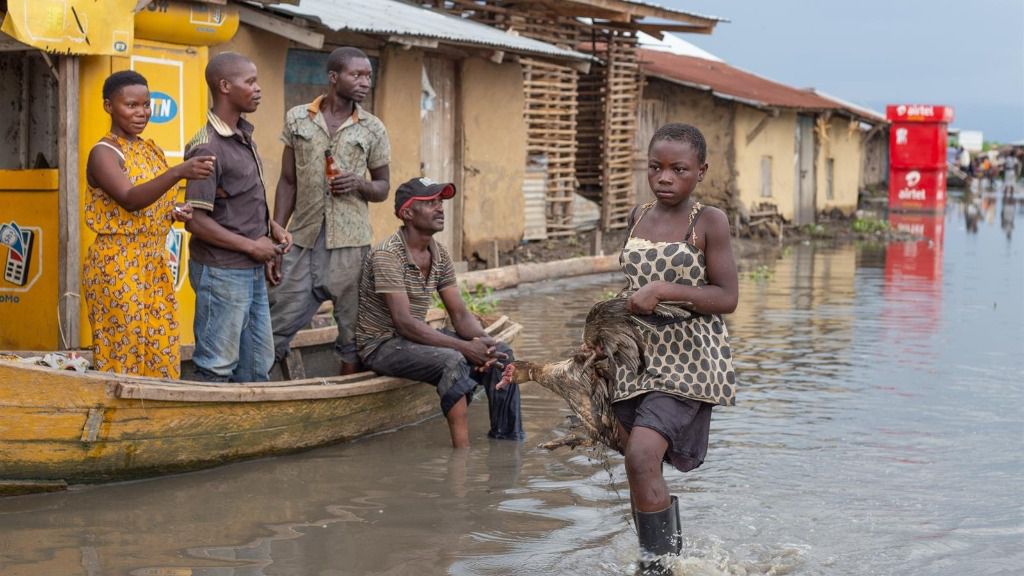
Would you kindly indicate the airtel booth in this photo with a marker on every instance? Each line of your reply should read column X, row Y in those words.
column 56, row 55
column 917, row 156
column 917, row 198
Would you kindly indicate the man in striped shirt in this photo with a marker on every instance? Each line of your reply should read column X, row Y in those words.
column 400, row 276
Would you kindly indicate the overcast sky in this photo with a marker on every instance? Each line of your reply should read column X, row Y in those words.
column 968, row 54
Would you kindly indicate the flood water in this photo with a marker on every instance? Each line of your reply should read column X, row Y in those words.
column 879, row 430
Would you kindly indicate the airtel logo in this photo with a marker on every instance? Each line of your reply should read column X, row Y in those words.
column 911, row 191
column 901, row 110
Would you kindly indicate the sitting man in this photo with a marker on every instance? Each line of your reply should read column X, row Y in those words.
column 400, row 276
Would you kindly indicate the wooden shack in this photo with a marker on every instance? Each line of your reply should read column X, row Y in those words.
column 770, row 146
column 582, row 125
column 451, row 92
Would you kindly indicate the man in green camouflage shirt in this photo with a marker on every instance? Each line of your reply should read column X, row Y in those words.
column 329, row 218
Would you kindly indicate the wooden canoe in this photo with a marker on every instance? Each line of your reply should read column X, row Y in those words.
column 60, row 427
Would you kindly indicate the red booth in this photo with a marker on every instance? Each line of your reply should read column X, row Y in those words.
column 917, row 156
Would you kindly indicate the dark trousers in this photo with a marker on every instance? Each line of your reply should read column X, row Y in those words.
column 454, row 379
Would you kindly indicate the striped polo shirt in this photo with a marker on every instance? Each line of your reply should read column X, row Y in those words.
column 388, row 269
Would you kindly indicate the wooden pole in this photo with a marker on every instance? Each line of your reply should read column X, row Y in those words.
column 24, row 119
column 69, row 262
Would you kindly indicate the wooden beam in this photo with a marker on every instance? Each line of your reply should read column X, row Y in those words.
column 875, row 130
column 633, row 10
column 581, row 10
column 69, row 238
column 655, row 29
column 581, row 66
column 408, row 42
column 774, row 113
column 19, row 487
column 293, row 367
column 281, row 27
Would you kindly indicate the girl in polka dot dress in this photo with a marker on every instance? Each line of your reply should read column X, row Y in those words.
column 678, row 263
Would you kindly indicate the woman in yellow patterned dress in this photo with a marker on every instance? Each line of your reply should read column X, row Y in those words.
column 131, row 206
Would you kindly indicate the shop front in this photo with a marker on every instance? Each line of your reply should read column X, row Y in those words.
column 54, row 79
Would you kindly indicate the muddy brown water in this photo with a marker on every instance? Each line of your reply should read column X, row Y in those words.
column 879, row 430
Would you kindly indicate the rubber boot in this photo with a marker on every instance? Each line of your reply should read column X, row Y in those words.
column 660, row 534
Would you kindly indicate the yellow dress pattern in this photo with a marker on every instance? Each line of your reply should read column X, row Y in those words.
column 127, row 280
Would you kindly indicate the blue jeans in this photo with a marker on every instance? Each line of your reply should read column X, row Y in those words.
column 234, row 342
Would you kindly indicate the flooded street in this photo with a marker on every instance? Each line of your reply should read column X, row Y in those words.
column 879, row 429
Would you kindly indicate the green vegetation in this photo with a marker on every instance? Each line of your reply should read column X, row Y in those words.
column 816, row 231
column 761, row 273
column 480, row 301
column 870, row 226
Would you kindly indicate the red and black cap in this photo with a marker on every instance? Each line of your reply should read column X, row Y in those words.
column 421, row 189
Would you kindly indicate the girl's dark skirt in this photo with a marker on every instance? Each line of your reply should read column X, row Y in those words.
column 683, row 422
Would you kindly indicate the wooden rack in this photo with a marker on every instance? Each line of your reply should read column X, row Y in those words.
column 550, row 113
column 608, row 102
column 584, row 124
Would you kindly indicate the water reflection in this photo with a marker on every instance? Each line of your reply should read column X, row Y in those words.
column 878, row 431
column 912, row 306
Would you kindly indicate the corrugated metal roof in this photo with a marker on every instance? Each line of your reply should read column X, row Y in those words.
column 395, row 18
column 674, row 45
column 863, row 110
column 728, row 82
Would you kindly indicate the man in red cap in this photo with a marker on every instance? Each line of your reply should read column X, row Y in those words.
column 400, row 276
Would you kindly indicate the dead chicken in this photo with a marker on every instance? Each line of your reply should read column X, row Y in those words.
column 612, row 340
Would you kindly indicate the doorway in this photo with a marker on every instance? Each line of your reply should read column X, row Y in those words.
column 804, row 210
column 440, row 146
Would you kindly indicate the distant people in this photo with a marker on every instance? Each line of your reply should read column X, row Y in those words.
column 128, row 286
column 964, row 160
column 1009, row 174
column 986, row 172
column 231, row 240
column 328, row 213
column 1007, row 214
column 972, row 213
column 678, row 264
column 399, row 279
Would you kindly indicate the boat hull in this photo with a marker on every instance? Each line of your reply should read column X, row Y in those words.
column 60, row 427
column 75, row 428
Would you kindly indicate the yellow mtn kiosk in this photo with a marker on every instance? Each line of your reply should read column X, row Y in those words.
column 54, row 57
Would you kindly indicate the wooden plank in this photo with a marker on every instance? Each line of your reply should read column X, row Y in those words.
column 69, row 261
column 656, row 30
column 299, row 390
column 280, row 26
column 761, row 125
column 20, row 487
column 293, row 367
column 31, row 423
column 92, row 425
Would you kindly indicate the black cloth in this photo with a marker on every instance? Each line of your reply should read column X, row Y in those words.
column 454, row 378
column 683, row 422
